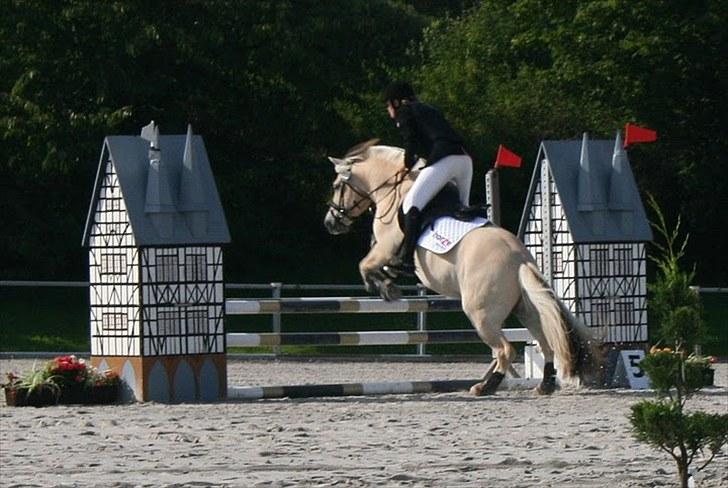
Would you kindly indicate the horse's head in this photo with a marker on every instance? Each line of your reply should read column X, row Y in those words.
column 351, row 194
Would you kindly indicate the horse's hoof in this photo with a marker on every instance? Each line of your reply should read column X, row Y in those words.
column 492, row 383
column 545, row 388
column 478, row 390
column 489, row 386
column 390, row 291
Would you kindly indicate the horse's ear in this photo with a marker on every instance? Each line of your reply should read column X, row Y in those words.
column 342, row 167
column 360, row 148
column 336, row 161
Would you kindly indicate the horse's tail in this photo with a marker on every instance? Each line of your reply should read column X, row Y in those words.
column 575, row 347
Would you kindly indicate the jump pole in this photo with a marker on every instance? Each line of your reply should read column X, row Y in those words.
column 368, row 338
column 317, row 305
column 366, row 389
column 235, row 306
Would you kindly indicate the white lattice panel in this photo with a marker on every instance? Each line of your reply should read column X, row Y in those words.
column 613, row 289
column 113, row 274
column 183, row 300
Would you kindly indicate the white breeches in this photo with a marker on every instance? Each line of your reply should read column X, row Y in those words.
column 456, row 168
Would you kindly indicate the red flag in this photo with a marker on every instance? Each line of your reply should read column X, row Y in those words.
column 634, row 134
column 506, row 157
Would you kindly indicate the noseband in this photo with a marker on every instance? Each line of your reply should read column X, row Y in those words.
column 343, row 215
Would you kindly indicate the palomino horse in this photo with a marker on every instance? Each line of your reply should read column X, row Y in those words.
column 490, row 270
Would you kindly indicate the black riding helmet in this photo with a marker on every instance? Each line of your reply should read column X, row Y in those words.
column 398, row 90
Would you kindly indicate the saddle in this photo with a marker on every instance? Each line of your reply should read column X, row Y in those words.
column 446, row 204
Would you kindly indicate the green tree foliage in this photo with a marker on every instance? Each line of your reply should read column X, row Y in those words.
column 675, row 375
column 517, row 72
column 684, row 436
column 275, row 86
column 665, row 424
column 673, row 304
column 271, row 86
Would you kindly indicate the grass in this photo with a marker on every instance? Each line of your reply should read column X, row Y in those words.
column 44, row 319
column 716, row 317
column 56, row 320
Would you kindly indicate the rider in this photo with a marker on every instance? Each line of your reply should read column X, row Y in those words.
column 427, row 134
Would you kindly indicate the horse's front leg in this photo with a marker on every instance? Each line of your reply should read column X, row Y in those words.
column 375, row 280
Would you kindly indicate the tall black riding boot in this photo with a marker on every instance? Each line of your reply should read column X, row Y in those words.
column 404, row 262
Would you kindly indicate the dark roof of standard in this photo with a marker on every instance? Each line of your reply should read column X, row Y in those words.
column 564, row 159
column 130, row 156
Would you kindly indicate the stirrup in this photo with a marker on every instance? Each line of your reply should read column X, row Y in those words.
column 399, row 268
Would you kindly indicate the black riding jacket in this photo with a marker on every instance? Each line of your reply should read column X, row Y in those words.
column 427, row 134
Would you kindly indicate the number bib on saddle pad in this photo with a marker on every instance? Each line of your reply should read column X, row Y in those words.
column 446, row 232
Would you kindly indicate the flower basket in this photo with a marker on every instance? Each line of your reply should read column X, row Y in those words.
column 65, row 380
column 102, row 395
column 23, row 397
column 42, row 397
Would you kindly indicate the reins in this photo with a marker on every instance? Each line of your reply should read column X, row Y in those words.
column 393, row 192
column 343, row 214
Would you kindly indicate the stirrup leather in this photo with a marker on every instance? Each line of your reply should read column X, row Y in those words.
column 403, row 263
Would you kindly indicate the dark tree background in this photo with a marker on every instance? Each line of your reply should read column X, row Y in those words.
column 273, row 87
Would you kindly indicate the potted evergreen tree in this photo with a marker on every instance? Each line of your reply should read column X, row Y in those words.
column 675, row 373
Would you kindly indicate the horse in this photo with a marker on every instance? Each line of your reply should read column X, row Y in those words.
column 490, row 270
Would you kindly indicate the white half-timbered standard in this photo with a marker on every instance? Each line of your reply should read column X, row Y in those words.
column 154, row 232
column 585, row 224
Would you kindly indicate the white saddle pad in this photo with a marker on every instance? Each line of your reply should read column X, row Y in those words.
column 446, row 233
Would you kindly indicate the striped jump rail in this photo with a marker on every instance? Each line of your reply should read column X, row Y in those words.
column 367, row 338
column 237, row 306
column 365, row 389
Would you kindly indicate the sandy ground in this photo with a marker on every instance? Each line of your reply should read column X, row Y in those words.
column 576, row 438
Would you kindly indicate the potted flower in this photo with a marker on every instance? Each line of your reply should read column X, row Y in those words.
column 668, row 368
column 701, row 367
column 102, row 388
column 34, row 388
column 65, row 380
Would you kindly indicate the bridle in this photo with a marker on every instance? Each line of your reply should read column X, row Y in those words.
column 342, row 215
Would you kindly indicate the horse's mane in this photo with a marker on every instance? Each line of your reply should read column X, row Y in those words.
column 389, row 153
column 392, row 155
column 370, row 149
column 357, row 152
column 362, row 150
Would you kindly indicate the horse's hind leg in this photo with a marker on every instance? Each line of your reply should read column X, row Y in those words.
column 529, row 318
column 489, row 329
